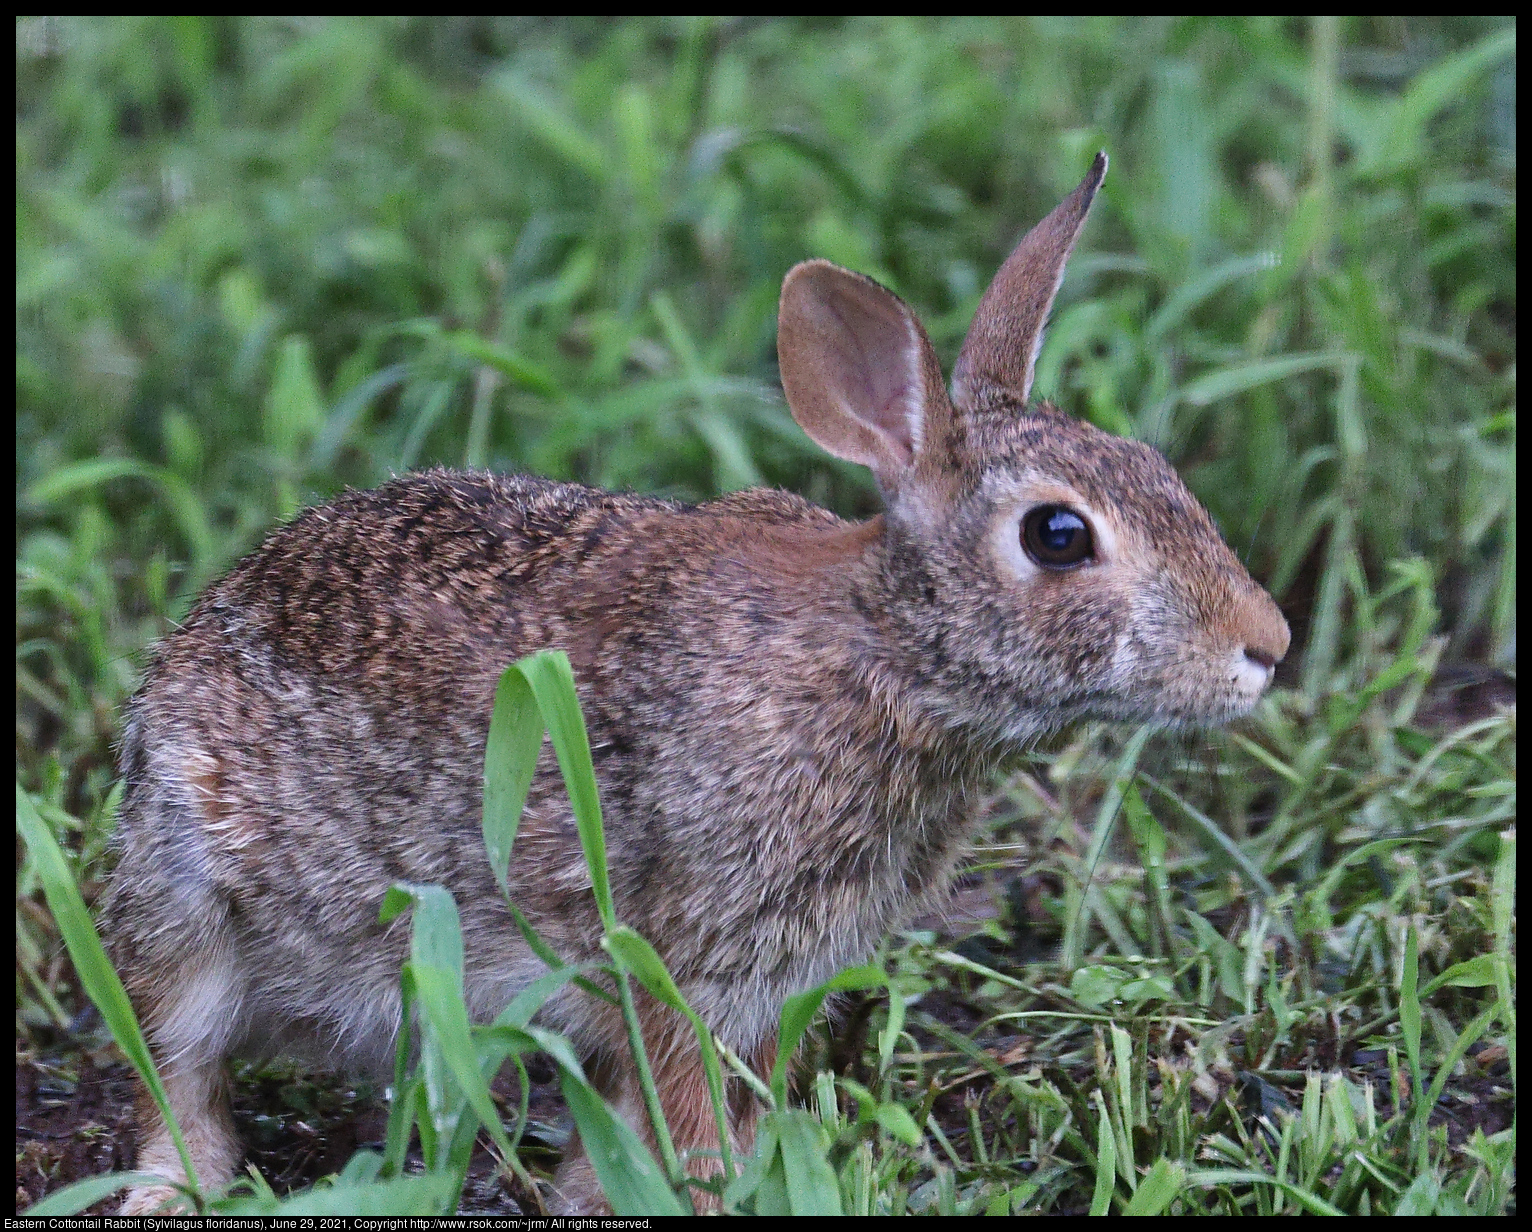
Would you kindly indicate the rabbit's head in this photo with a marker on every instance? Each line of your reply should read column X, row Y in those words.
column 1036, row 569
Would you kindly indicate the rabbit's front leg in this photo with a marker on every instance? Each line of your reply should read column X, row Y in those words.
column 680, row 1081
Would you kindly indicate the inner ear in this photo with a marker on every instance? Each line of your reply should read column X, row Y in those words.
column 858, row 370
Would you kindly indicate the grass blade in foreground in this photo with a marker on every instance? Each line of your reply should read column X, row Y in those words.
column 73, row 1199
column 1157, row 1190
column 798, row 1012
column 811, row 1184
column 423, row 1196
column 546, row 698
column 551, row 680
column 1106, row 1163
column 510, row 761
column 642, row 961
column 99, row 980
column 436, row 964
column 630, row 1178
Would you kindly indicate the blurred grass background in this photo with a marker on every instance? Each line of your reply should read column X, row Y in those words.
column 260, row 259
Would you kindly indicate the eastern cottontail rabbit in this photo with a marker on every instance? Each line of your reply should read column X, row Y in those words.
column 790, row 715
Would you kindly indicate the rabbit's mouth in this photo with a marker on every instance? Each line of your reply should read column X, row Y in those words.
column 1230, row 695
column 1180, row 694
column 1252, row 672
column 1224, row 690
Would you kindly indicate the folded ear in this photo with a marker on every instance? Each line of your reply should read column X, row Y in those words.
column 1000, row 351
column 859, row 372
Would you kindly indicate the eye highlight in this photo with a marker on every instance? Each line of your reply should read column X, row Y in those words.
column 1057, row 537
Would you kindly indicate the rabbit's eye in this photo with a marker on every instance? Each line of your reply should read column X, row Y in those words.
column 1057, row 537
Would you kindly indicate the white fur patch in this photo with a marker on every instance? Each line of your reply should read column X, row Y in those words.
column 200, row 1015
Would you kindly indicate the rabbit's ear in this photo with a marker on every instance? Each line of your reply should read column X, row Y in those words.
column 859, row 372
column 1007, row 331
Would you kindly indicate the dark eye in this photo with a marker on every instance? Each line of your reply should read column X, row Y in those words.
column 1057, row 537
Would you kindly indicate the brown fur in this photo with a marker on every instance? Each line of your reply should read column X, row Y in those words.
column 790, row 715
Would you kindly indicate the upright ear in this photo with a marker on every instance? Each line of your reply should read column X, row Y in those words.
column 859, row 372
column 1007, row 331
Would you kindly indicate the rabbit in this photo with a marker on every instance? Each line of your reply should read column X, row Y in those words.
column 792, row 716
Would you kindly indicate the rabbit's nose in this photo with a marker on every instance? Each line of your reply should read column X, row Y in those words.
column 1263, row 657
column 1265, row 634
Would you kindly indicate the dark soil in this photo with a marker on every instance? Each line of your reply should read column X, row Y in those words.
column 75, row 1119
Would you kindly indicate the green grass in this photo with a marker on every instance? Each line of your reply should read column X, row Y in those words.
column 258, row 260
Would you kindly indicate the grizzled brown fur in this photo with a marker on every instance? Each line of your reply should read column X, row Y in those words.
column 790, row 714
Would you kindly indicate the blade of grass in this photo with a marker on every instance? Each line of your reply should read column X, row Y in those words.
column 641, row 959
column 1106, row 1162
column 1502, row 911
column 798, row 1012
column 1158, row 1189
column 1210, row 1178
column 1215, row 834
column 1073, row 945
column 631, row 1179
column 436, row 964
column 551, row 680
column 811, row 1185
column 97, row 977
column 1409, row 1026
column 420, row 1196
column 72, row 1199
column 510, row 761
